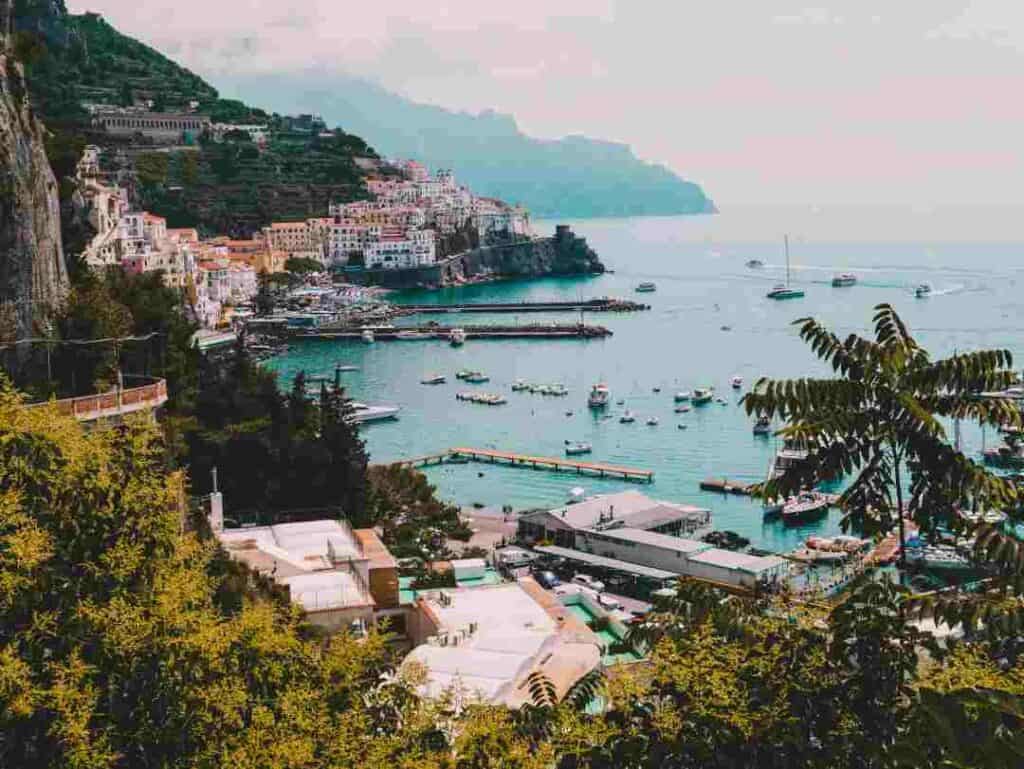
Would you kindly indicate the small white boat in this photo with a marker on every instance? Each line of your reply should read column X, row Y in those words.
column 682, row 396
column 737, row 382
column 652, row 422
column 599, row 396
column 463, row 374
column 923, row 290
column 457, row 337
column 476, row 377
column 575, row 448
column 844, row 279
column 434, row 379
column 368, row 336
column 520, row 386
column 721, row 401
column 682, row 409
column 755, row 264
column 702, row 395
column 363, row 413
column 627, row 418
column 646, row 287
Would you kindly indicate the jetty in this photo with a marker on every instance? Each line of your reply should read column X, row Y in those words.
column 491, row 456
column 605, row 304
column 725, row 486
column 434, row 332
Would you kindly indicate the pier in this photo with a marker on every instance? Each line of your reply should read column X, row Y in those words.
column 725, row 486
column 554, row 464
column 435, row 332
column 605, row 304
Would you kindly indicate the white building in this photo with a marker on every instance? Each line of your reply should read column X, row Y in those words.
column 257, row 133
column 401, row 250
column 483, row 643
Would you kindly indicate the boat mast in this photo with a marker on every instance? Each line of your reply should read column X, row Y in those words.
column 785, row 239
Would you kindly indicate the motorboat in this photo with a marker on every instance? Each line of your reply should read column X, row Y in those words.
column 463, row 374
column 783, row 290
column 457, row 337
column 620, row 402
column 702, row 395
column 627, row 418
column 520, row 386
column 646, row 287
column 736, row 382
column 599, row 396
column 721, row 401
column 1011, row 455
column 806, row 506
column 755, row 264
column 476, row 377
column 434, row 379
column 681, row 427
column 655, row 389
column 575, row 448
column 682, row 409
column 346, row 368
column 362, row 413
column 844, row 279
column 923, row 290
column 682, row 396
column 368, row 336
column 763, row 425
column 937, row 558
column 652, row 422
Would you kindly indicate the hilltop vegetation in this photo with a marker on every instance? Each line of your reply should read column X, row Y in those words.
column 232, row 187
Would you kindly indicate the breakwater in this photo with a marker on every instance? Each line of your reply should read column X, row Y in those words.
column 606, row 304
column 432, row 332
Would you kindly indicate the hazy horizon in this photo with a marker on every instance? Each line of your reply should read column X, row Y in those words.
column 839, row 104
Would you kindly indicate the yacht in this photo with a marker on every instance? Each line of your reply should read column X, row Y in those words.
column 937, row 558
column 791, row 454
column 683, row 395
column 737, row 382
column 575, row 448
column 844, row 279
column 457, row 337
column 755, row 264
column 627, row 418
column 361, row 413
column 763, row 425
column 923, row 290
column 652, row 422
column 599, row 396
column 368, row 336
column 807, row 506
column 702, row 395
column 434, row 379
column 646, row 287
column 476, row 377
column 782, row 290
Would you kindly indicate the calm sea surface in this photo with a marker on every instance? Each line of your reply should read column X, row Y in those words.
column 702, row 287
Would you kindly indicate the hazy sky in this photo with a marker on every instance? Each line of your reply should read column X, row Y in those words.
column 765, row 101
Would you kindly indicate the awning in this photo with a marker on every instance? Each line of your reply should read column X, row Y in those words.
column 607, row 563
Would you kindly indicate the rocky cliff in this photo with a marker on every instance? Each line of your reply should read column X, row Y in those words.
column 33, row 276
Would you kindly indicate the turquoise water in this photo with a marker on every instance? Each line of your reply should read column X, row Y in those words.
column 698, row 265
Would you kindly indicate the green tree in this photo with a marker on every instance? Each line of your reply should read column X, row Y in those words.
column 880, row 420
column 125, row 97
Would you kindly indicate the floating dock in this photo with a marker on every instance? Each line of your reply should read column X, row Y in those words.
column 490, row 456
column 432, row 333
column 606, row 304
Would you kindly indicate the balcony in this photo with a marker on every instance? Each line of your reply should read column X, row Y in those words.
column 113, row 403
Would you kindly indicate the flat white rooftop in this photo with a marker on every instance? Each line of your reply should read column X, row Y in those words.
column 752, row 564
column 308, row 545
column 653, row 539
column 627, row 508
column 325, row 590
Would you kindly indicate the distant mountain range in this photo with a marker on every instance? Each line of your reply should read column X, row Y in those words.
column 573, row 177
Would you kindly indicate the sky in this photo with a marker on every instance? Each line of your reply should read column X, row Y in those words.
column 907, row 103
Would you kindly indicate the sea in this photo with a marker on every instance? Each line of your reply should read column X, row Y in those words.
column 709, row 321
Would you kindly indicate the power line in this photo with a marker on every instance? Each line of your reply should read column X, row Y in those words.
column 83, row 342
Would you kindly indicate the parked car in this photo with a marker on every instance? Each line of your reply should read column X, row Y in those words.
column 547, row 579
column 608, row 602
column 587, row 581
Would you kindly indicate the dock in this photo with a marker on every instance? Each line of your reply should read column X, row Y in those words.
column 605, row 304
column 490, row 456
column 435, row 332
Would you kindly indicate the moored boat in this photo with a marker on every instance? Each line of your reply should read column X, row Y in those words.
column 652, row 422
column 755, row 264
column 646, row 287
column 457, row 337
column 362, row 413
column 763, row 425
column 702, row 395
column 599, row 396
column 923, row 290
column 682, row 396
column 844, row 279
column 806, row 506
column 783, row 290
column 737, row 382
column 434, row 379
column 476, row 377
column 367, row 336
column 575, row 448
column 627, row 418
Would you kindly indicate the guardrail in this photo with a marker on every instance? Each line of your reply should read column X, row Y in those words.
column 116, row 402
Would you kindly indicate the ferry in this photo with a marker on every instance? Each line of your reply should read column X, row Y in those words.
column 763, row 425
column 844, row 279
column 923, row 291
column 646, row 287
column 599, row 396
column 737, row 382
column 457, row 337
column 362, row 413
column 368, row 336
column 434, row 379
column 575, row 448
column 702, row 395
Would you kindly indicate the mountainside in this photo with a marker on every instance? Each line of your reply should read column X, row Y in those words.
column 33, row 278
column 572, row 177
column 228, row 187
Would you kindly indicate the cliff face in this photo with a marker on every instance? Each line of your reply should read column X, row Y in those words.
column 33, row 276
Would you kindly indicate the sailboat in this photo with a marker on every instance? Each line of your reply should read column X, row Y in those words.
column 783, row 291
